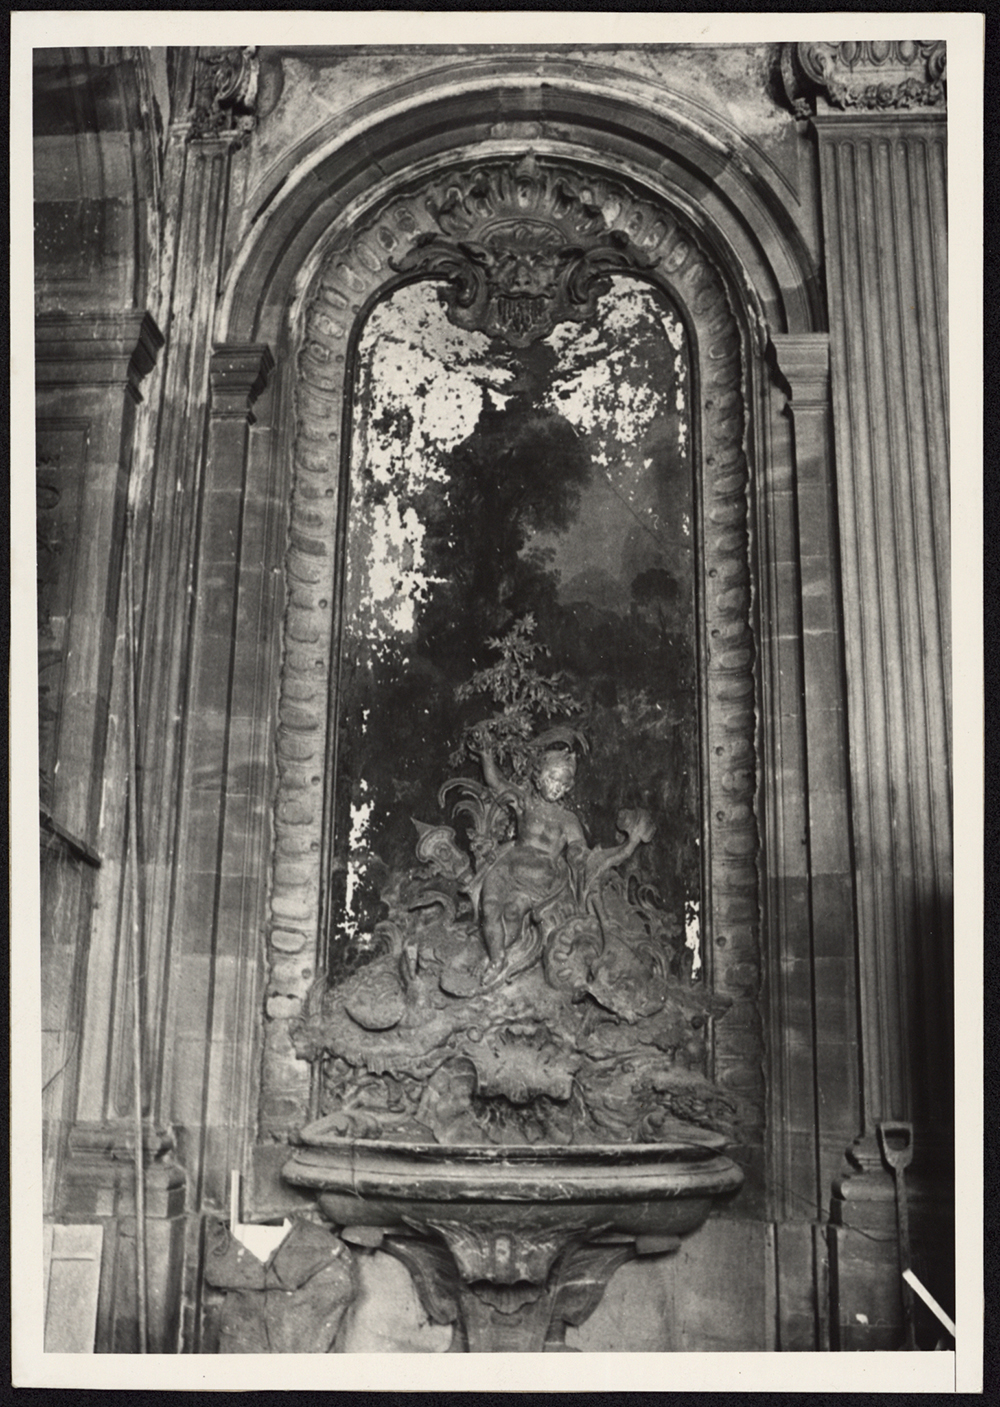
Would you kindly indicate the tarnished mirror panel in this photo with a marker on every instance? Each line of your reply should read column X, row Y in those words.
column 489, row 484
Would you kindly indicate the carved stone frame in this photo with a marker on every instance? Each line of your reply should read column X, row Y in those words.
column 355, row 273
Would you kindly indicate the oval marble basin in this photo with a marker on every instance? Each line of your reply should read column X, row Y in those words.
column 664, row 1188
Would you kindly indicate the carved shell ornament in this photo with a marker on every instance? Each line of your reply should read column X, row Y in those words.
column 522, row 252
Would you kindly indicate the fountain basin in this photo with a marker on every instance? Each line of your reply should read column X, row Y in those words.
column 513, row 1243
column 662, row 1188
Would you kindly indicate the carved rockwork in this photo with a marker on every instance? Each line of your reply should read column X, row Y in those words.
column 225, row 96
column 356, row 268
column 866, row 75
column 522, row 251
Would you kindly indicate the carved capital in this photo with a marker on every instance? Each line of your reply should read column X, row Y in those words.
column 522, row 250
column 802, row 361
column 225, row 95
column 503, row 1255
column 864, row 75
column 238, row 375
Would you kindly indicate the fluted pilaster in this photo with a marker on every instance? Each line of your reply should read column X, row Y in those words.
column 884, row 189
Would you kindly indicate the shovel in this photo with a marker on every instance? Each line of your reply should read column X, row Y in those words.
column 896, row 1142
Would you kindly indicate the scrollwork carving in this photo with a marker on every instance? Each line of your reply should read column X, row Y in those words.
column 522, row 252
column 507, row 1287
column 225, row 97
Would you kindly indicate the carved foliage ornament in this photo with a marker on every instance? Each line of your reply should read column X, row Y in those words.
column 225, row 93
column 867, row 75
column 522, row 252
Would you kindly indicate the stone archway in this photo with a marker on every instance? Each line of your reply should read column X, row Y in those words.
column 423, row 230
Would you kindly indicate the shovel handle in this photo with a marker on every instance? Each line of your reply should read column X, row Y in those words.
column 898, row 1158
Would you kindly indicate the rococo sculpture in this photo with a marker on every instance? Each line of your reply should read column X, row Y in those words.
column 525, row 987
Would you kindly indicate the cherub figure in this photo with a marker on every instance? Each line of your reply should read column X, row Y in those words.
column 532, row 875
column 543, row 877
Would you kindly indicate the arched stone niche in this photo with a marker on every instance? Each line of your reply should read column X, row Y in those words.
column 719, row 179
column 417, row 232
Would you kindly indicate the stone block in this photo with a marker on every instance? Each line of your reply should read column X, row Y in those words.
column 287, row 940
column 635, row 1313
column 865, row 1292
column 798, row 1079
column 251, row 670
column 88, row 239
column 828, row 826
column 387, row 1316
column 799, row 1296
column 73, row 1276
column 824, row 674
column 299, row 811
column 187, row 1079
column 832, row 914
column 734, row 908
column 791, row 904
column 836, row 1074
column 784, row 596
column 206, row 748
column 281, row 1112
column 724, row 1294
column 279, row 1006
column 290, row 972
column 819, row 607
column 195, row 914
column 293, row 908
column 743, row 977
column 290, row 875
column 834, row 997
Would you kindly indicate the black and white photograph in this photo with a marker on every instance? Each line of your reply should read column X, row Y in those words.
column 485, row 667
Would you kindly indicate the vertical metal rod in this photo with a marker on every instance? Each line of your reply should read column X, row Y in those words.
column 132, row 752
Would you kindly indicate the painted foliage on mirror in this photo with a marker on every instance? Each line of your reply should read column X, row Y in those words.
column 491, row 482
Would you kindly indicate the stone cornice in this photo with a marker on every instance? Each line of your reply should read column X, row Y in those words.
column 868, row 76
column 95, row 349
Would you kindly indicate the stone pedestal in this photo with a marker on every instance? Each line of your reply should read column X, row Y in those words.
column 99, row 1186
column 511, row 1290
